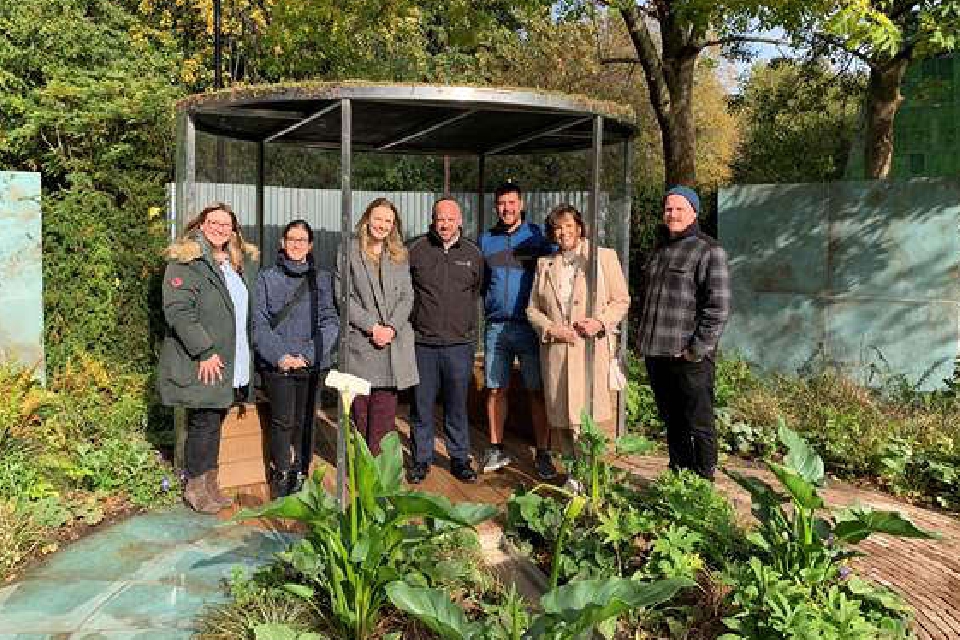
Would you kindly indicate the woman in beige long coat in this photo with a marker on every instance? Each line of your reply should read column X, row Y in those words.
column 557, row 311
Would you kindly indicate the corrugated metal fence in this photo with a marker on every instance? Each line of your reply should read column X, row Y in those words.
column 321, row 208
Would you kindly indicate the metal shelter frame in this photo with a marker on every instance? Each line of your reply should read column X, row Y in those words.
column 411, row 119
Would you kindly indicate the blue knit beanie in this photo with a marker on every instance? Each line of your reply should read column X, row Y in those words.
column 687, row 193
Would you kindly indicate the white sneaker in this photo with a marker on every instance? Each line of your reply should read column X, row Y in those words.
column 495, row 459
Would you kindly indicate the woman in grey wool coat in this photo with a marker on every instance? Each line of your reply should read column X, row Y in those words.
column 379, row 341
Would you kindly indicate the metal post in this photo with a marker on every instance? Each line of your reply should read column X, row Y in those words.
column 186, row 208
column 217, row 48
column 593, row 220
column 481, row 212
column 446, row 176
column 481, row 216
column 625, row 220
column 346, row 218
column 261, row 153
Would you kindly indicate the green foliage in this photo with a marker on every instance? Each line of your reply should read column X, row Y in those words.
column 642, row 415
column 768, row 605
column 685, row 499
column 258, row 607
column 907, row 439
column 66, row 449
column 794, row 586
column 799, row 121
column 569, row 612
column 21, row 535
column 88, row 106
column 348, row 557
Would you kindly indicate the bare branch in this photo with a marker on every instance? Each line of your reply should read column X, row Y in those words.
column 745, row 39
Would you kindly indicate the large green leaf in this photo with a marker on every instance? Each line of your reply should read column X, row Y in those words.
column 804, row 493
column 279, row 631
column 434, row 608
column 583, row 604
column 801, row 457
column 389, row 464
column 761, row 492
column 413, row 504
column 311, row 503
column 858, row 523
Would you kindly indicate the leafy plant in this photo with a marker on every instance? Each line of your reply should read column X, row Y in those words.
column 685, row 499
column 798, row 542
column 258, row 605
column 642, row 414
column 569, row 612
column 350, row 556
column 794, row 585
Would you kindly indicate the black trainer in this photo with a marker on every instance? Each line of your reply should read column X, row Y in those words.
column 462, row 471
column 418, row 473
column 543, row 462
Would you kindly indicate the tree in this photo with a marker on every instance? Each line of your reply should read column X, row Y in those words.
column 886, row 36
column 401, row 40
column 798, row 121
column 668, row 38
column 87, row 104
column 564, row 55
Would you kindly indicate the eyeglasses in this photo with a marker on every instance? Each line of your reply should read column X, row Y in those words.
column 220, row 225
column 297, row 240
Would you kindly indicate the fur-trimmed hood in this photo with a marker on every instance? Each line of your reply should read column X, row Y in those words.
column 190, row 248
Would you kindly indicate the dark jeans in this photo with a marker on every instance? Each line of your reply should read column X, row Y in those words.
column 374, row 416
column 292, row 415
column 446, row 370
column 684, row 395
column 202, row 449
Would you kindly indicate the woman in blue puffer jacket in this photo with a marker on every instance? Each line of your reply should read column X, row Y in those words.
column 295, row 329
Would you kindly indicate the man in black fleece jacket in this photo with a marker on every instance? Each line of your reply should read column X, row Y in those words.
column 447, row 273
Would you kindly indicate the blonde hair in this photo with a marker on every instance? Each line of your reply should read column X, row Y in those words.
column 235, row 245
column 394, row 240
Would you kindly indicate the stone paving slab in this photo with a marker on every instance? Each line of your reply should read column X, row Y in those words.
column 147, row 577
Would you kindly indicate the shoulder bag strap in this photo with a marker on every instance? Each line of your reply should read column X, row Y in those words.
column 278, row 319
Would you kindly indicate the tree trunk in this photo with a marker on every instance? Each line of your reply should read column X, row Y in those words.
column 669, row 77
column 680, row 134
column 883, row 102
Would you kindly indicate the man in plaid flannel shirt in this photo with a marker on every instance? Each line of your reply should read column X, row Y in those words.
column 686, row 300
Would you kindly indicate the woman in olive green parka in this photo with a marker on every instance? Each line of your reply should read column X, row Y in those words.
column 205, row 364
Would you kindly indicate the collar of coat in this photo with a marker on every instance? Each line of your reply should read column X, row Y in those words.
column 664, row 237
column 195, row 246
column 438, row 241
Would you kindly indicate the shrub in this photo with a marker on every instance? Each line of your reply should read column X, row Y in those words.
column 65, row 449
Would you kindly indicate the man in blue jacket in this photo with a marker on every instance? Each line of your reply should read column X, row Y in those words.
column 510, row 251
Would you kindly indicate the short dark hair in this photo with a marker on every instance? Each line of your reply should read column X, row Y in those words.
column 561, row 211
column 303, row 224
column 505, row 188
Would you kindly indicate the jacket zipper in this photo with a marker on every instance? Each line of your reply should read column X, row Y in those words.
column 506, row 290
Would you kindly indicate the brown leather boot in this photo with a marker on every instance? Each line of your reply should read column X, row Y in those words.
column 213, row 490
column 195, row 494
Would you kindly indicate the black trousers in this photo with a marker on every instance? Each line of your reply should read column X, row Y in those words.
column 292, row 413
column 445, row 371
column 202, row 449
column 684, row 394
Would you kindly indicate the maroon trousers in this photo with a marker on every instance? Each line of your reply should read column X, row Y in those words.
column 374, row 416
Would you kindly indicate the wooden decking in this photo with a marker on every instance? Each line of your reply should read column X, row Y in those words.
column 925, row 572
